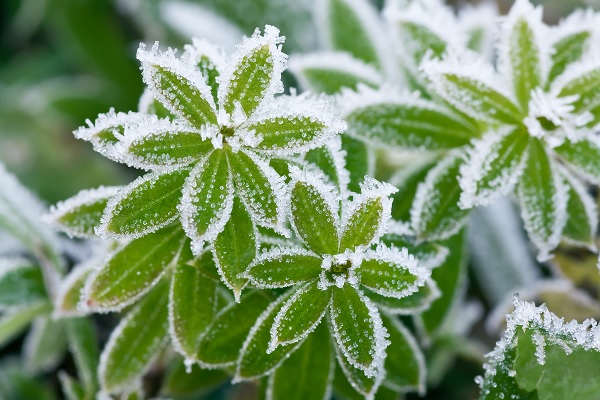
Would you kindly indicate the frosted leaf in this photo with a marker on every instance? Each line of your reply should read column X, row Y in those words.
column 45, row 345
column 330, row 72
column 21, row 284
column 68, row 302
column 294, row 124
column 282, row 267
column 207, row 200
column 331, row 159
column 412, row 304
column 78, row 215
column 582, row 213
column 494, row 166
column 147, row 104
column 543, row 199
column 582, row 79
column 253, row 74
column 479, row 21
column 366, row 386
column 108, row 130
column 178, row 84
column 583, row 156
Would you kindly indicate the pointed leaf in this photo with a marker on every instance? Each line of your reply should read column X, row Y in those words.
column 15, row 321
column 299, row 315
column 209, row 59
column 145, row 205
column 584, row 156
column 307, row 373
column 358, row 329
column 83, row 344
column 134, row 270
column 193, row 304
column 582, row 214
column 79, row 215
column 256, row 72
column 21, row 283
column 259, row 187
column 411, row 304
column 221, row 344
column 582, row 80
column 332, row 161
column 207, row 199
column 45, row 345
column 135, row 341
column 494, row 166
column 352, row 382
column 71, row 389
column 543, row 199
column 282, row 267
column 69, row 298
column 429, row 255
column 178, row 85
column 407, row 181
column 314, row 212
column 435, row 213
column 566, row 51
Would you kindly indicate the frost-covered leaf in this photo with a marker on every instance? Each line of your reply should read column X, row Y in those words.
column 235, row 248
column 360, row 161
column 45, row 345
column 135, row 342
column 83, row 344
column 179, row 381
column 134, row 269
column 79, row 215
column 210, row 59
column 332, row 161
column 352, row 382
column 493, row 168
column 584, row 156
column 282, row 267
column 68, row 300
column 259, row 187
column 14, row 322
column 178, row 85
column 543, row 200
column 405, row 363
column 520, row 50
column 391, row 272
column 149, row 105
column 220, row 345
column 407, row 181
column 566, row 51
column 428, row 254
column 207, row 199
column 402, row 120
column 582, row 214
column 255, row 359
column 145, row 205
column 299, row 315
column 21, row 283
column 435, row 213
column 255, row 72
column 71, row 388
column 314, row 212
column 542, row 357
column 582, row 80
column 193, row 302
column 307, row 373
column 358, row 329
column 411, row 304
column 329, row 73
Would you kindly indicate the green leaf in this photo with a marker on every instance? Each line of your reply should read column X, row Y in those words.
column 314, row 215
column 543, row 200
column 307, row 373
column 255, row 358
column 582, row 214
column 15, row 383
column 166, row 147
column 207, row 199
column 584, row 156
column 220, row 345
column 350, row 28
column 134, row 269
column 136, row 341
column 523, row 59
column 299, row 315
column 329, row 159
column 205, row 264
column 145, row 205
column 435, row 214
column 69, row 297
column 71, row 389
column 45, row 345
column 258, row 185
column 408, row 182
column 418, row 39
column 390, row 272
column 282, row 267
column 414, row 124
column 404, row 364
column 360, row 161
column 566, row 51
column 412, row 304
column 14, row 322
column 79, row 215
column 585, row 85
column 352, row 382
column 83, row 344
column 21, row 283
column 358, row 330
column 193, row 303
column 181, row 91
column 210, row 71
column 493, row 168
column 428, row 254
column 179, row 382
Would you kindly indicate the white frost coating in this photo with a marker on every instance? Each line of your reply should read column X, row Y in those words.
column 84, row 197
column 434, row 294
column 184, row 67
column 576, row 71
column 274, row 254
column 338, row 157
column 271, row 39
column 353, row 257
column 110, row 122
column 145, row 101
column 482, row 17
column 532, row 218
column 591, row 209
column 371, row 189
column 188, row 211
column 334, row 62
column 190, row 20
column 274, row 342
column 116, row 202
column 379, row 340
column 401, row 260
column 578, row 21
column 481, row 160
column 522, row 10
column 9, row 264
column 318, row 109
column 76, row 275
column 547, row 328
column 202, row 47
